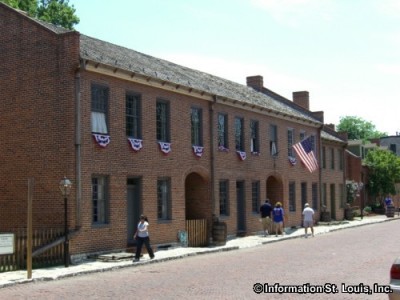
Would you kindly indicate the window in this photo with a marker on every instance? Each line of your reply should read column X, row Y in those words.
column 239, row 134
column 292, row 196
column 341, row 195
column 323, row 157
column 340, row 156
column 290, row 141
column 99, row 200
column 273, row 140
column 223, row 131
column 162, row 121
column 332, row 158
column 99, row 109
column 164, row 199
column 324, row 194
column 392, row 148
column 303, row 194
column 223, row 198
column 314, row 195
column 302, row 135
column 197, row 126
column 254, row 137
column 255, row 196
column 133, row 115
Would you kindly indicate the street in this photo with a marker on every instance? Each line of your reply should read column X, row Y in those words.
column 345, row 264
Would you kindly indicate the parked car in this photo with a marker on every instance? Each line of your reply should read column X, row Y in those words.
column 395, row 280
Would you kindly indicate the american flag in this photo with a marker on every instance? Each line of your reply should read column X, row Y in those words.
column 305, row 151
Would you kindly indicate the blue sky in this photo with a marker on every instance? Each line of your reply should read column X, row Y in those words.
column 345, row 53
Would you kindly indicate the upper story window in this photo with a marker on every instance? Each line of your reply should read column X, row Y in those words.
column 239, row 134
column 324, row 157
column 99, row 106
column 302, row 135
column 393, row 148
column 254, row 137
column 133, row 115
column 162, row 121
column 340, row 156
column 290, row 141
column 332, row 158
column 223, row 130
column 273, row 140
column 197, row 126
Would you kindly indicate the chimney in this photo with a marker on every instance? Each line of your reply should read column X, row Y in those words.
column 256, row 82
column 318, row 115
column 302, row 99
column 331, row 126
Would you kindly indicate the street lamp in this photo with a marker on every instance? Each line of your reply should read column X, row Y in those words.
column 65, row 188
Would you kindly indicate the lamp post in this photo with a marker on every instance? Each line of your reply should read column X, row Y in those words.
column 65, row 188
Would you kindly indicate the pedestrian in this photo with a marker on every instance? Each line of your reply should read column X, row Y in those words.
column 278, row 216
column 265, row 213
column 142, row 237
column 308, row 219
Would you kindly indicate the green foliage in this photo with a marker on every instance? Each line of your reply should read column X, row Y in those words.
column 359, row 129
column 57, row 12
column 352, row 189
column 384, row 169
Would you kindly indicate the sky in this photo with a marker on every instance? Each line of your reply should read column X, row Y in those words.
column 345, row 53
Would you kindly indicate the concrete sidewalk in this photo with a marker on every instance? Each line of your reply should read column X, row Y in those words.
column 122, row 260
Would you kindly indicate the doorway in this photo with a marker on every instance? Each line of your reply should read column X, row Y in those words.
column 133, row 207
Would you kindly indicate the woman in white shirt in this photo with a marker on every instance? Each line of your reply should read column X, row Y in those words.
column 142, row 237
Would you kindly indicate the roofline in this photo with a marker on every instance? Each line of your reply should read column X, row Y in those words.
column 100, row 68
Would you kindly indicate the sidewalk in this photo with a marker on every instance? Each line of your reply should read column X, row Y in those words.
column 122, row 260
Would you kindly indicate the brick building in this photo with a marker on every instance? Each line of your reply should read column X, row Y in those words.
column 137, row 134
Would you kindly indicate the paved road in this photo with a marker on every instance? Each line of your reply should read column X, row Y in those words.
column 343, row 261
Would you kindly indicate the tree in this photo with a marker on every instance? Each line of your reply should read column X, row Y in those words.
column 359, row 129
column 57, row 12
column 384, row 172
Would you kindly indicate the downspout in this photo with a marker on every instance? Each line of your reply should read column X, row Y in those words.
column 78, row 163
column 212, row 154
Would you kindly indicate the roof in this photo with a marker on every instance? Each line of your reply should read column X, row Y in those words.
column 129, row 60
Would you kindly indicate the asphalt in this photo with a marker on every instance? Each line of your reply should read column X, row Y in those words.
column 119, row 260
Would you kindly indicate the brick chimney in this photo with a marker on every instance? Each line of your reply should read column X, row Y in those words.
column 256, row 82
column 318, row 115
column 331, row 126
column 302, row 99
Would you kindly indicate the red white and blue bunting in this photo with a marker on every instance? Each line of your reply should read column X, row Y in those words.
column 165, row 147
column 136, row 144
column 223, row 149
column 292, row 160
column 242, row 155
column 101, row 139
column 198, row 150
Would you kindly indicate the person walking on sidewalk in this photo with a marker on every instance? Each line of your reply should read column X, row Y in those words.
column 265, row 212
column 308, row 219
column 278, row 216
column 142, row 237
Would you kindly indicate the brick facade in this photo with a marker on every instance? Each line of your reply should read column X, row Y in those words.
column 45, row 89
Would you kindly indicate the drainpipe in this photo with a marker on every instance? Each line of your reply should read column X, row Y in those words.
column 320, row 165
column 212, row 153
column 78, row 164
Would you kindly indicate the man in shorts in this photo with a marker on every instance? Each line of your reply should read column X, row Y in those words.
column 265, row 213
column 308, row 219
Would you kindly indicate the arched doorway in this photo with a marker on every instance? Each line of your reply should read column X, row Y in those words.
column 274, row 190
column 198, row 210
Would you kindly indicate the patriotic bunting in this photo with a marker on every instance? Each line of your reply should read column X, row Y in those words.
column 101, row 139
column 136, row 144
column 198, row 150
column 242, row 155
column 165, row 147
column 223, row 149
column 292, row 160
